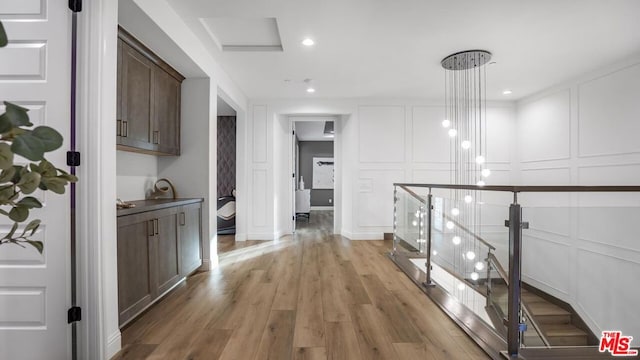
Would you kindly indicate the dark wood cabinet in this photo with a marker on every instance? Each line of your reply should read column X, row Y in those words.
column 156, row 250
column 136, row 287
column 148, row 109
column 190, row 238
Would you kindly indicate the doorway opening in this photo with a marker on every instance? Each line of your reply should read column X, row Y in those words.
column 226, row 175
column 314, row 167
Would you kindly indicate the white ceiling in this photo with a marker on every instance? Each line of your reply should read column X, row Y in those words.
column 311, row 128
column 375, row 48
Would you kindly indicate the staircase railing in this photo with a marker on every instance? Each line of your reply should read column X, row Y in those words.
column 425, row 227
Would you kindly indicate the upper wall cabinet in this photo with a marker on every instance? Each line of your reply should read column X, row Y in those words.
column 148, row 113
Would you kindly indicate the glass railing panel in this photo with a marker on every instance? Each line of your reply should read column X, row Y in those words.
column 409, row 222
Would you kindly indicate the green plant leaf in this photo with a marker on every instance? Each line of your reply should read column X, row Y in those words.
column 28, row 146
column 30, row 202
column 54, row 184
column 32, row 226
column 3, row 36
column 47, row 168
column 29, row 182
column 17, row 115
column 13, row 231
column 6, row 156
column 6, row 193
column 19, row 214
column 36, row 244
column 5, row 124
column 51, row 139
column 7, row 174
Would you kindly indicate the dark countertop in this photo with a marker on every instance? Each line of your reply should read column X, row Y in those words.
column 150, row 205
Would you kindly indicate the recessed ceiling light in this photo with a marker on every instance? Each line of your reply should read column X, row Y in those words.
column 308, row 42
column 311, row 90
column 507, row 92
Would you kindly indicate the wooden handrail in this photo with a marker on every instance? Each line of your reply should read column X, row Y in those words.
column 527, row 188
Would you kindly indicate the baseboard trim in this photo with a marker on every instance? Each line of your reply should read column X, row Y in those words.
column 241, row 237
column 114, row 344
column 322, row 208
column 209, row 264
column 260, row 236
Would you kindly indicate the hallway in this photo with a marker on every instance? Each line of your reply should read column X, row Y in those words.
column 311, row 296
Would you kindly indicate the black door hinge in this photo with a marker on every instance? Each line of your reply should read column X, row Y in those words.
column 75, row 5
column 74, row 314
column 293, row 175
column 293, row 217
column 293, row 132
column 73, row 158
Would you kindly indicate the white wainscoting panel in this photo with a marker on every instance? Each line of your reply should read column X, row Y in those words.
column 381, row 134
column 609, row 114
column 23, row 10
column 260, row 140
column 605, row 292
column 375, row 208
column 611, row 226
column 430, row 176
column 500, row 126
column 258, row 199
column 624, row 174
column 546, row 262
column 544, row 127
column 430, row 140
column 22, row 307
column 23, row 61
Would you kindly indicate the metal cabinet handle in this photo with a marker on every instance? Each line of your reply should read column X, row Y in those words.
column 156, row 137
column 125, row 128
column 119, row 127
column 182, row 219
column 150, row 228
column 155, row 226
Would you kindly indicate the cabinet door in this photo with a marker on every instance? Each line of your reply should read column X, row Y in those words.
column 190, row 239
column 167, row 252
column 136, row 286
column 137, row 94
column 166, row 132
column 119, row 95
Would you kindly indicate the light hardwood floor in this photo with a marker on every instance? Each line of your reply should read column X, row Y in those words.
column 309, row 296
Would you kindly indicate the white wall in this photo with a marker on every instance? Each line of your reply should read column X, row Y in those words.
column 384, row 141
column 189, row 172
column 135, row 175
column 585, row 132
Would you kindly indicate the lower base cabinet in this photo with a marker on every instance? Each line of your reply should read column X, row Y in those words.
column 156, row 250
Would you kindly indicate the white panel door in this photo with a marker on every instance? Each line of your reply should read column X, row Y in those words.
column 34, row 288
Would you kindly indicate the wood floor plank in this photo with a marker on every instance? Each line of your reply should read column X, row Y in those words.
column 244, row 340
column 430, row 321
column 310, row 296
column 208, row 344
column 135, row 352
column 342, row 343
column 373, row 340
column 334, row 304
column 277, row 339
column 311, row 353
column 354, row 291
column 395, row 321
column 309, row 331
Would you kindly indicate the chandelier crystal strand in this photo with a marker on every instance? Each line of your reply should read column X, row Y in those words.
column 465, row 110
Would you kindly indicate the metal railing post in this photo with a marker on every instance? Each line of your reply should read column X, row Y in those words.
column 395, row 218
column 428, row 282
column 515, row 267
